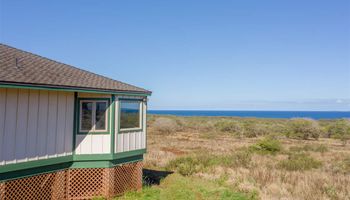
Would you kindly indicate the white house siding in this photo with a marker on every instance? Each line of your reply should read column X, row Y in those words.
column 35, row 124
column 133, row 140
column 93, row 143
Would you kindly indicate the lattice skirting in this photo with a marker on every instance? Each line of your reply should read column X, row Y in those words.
column 84, row 183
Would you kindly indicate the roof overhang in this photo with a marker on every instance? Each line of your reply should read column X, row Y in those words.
column 70, row 89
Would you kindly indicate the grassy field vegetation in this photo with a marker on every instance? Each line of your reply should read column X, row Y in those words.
column 247, row 158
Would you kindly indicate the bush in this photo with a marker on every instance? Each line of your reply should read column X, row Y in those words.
column 267, row 146
column 255, row 130
column 340, row 130
column 299, row 162
column 304, row 129
column 189, row 165
column 166, row 125
column 229, row 127
column 311, row 147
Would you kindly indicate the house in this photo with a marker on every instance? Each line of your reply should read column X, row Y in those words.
column 66, row 133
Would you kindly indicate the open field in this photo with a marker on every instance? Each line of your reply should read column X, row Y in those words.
column 236, row 158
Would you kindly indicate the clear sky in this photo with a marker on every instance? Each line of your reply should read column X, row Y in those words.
column 227, row 55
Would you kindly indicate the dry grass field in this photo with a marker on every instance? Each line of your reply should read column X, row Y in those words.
column 254, row 158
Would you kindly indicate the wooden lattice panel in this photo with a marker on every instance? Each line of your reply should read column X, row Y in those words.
column 87, row 183
column 45, row 186
column 2, row 190
column 84, row 183
column 126, row 177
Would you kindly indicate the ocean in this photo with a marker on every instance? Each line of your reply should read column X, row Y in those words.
column 257, row 114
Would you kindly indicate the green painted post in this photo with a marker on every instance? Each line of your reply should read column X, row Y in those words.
column 113, row 126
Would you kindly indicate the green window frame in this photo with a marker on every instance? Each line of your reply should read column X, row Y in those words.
column 94, row 102
column 120, row 116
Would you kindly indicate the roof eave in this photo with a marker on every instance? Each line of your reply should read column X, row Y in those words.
column 5, row 84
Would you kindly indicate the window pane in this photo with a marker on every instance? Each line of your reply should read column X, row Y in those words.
column 129, row 114
column 101, row 108
column 86, row 115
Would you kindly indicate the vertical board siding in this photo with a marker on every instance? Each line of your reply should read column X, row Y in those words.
column 42, row 123
column 21, row 127
column 35, row 124
column 2, row 122
column 129, row 141
column 9, row 143
column 52, row 124
column 32, row 130
column 93, row 144
column 61, row 119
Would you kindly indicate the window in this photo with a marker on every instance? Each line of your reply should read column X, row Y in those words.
column 130, row 114
column 93, row 116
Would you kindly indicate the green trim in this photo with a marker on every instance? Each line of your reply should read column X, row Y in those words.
column 120, row 161
column 37, row 168
column 68, row 89
column 34, row 171
column 35, row 163
column 75, row 120
column 91, row 164
column 113, row 125
column 106, row 164
column 108, row 117
column 130, row 153
column 120, row 131
column 92, row 157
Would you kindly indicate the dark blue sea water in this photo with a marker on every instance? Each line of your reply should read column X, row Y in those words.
column 258, row 114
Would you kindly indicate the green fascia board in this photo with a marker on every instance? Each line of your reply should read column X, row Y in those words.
column 130, row 159
column 91, row 164
column 93, row 157
column 34, row 171
column 130, row 153
column 106, row 164
column 70, row 89
column 35, row 164
column 108, row 157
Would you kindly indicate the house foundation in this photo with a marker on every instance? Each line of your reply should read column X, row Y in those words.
column 80, row 183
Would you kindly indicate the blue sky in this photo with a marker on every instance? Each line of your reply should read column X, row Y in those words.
column 227, row 55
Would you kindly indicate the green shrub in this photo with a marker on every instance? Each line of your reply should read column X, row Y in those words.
column 340, row 130
column 255, row 130
column 267, row 146
column 189, row 165
column 310, row 147
column 299, row 162
column 229, row 127
column 304, row 129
